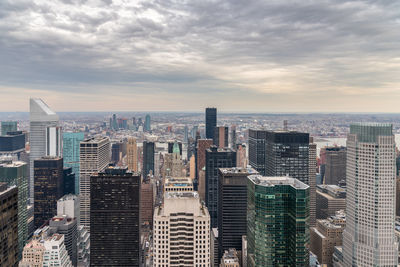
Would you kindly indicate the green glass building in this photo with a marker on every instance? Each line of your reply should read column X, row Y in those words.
column 71, row 156
column 16, row 173
column 8, row 126
column 277, row 222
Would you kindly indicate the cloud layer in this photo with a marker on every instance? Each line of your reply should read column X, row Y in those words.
column 295, row 55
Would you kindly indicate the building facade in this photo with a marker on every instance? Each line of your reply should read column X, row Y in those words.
column 335, row 167
column 71, row 142
column 211, row 122
column 148, row 158
column 330, row 199
column 257, row 150
column 221, row 136
column 132, row 154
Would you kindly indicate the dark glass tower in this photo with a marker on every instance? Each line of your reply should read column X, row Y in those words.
column 48, row 188
column 232, row 207
column 148, row 158
column 216, row 158
column 69, row 181
column 211, row 122
column 114, row 218
column 257, row 150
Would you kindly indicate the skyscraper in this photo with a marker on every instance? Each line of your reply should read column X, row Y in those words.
column 369, row 237
column 216, row 158
column 41, row 118
column 13, row 144
column 132, row 154
column 277, row 222
column 181, row 231
column 68, row 181
column 8, row 126
column 335, row 167
column 94, row 157
column 211, row 122
column 16, row 173
column 147, row 123
column 202, row 146
column 148, row 158
column 48, row 175
column 221, row 135
column 114, row 218
column 257, row 150
column 232, row 207
column 71, row 143
column 8, row 225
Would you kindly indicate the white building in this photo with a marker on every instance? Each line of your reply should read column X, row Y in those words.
column 181, row 231
column 68, row 205
column 369, row 237
column 94, row 158
column 41, row 118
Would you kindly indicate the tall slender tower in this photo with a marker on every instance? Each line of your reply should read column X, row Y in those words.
column 147, row 123
column 41, row 118
column 369, row 237
column 132, row 154
column 148, row 158
column 211, row 122
column 94, row 157
column 71, row 143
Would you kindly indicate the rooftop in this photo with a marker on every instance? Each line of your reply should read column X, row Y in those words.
column 248, row 170
column 273, row 181
column 181, row 195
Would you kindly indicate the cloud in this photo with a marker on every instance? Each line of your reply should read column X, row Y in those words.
column 210, row 51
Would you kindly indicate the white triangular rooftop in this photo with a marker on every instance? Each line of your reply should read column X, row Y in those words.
column 39, row 111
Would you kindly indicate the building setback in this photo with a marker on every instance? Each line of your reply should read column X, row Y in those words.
column 277, row 222
column 114, row 218
column 8, row 225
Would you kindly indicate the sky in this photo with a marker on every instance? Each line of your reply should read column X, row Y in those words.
column 182, row 55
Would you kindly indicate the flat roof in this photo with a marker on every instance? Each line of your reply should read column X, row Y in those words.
column 277, row 180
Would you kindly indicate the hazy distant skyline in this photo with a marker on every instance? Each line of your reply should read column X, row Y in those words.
column 165, row 55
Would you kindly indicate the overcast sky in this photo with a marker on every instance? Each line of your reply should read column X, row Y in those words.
column 176, row 55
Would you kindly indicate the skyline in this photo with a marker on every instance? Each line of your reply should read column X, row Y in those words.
column 297, row 56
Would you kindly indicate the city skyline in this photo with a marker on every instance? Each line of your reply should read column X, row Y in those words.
column 260, row 56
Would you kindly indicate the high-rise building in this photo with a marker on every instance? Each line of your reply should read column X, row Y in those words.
column 369, row 237
column 8, row 225
column 49, row 187
column 94, row 158
column 277, row 222
column 241, row 158
column 221, row 135
column 118, row 151
column 15, row 173
column 257, row 150
column 55, row 252
column 292, row 153
column 216, row 158
column 181, row 231
column 211, row 122
column 326, row 235
column 192, row 167
column 147, row 199
column 114, row 218
column 233, row 137
column 68, row 181
column 202, row 146
column 71, row 157
column 329, row 199
column 132, row 154
column 54, row 141
column 41, row 118
column 148, row 158
column 147, row 123
column 185, row 134
column 232, row 207
column 13, row 144
column 68, row 205
column 173, row 165
column 335, row 167
column 171, row 145
column 8, row 126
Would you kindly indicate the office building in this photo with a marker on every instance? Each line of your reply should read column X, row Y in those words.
column 173, row 165
column 244, row 250
column 132, row 154
column 330, row 199
column 202, row 146
column 293, row 154
column 118, row 152
column 232, row 207
column 71, row 142
column 230, row 258
column 178, row 184
column 94, row 158
column 68, row 205
column 41, row 117
column 277, row 222
column 202, row 184
column 8, row 225
column 147, row 198
column 8, row 126
column 49, row 187
column 211, row 122
column 257, row 150
column 326, row 235
column 233, row 137
column 241, row 158
column 54, row 141
column 216, row 158
column 181, row 231
column 15, row 173
column 115, row 218
column 69, row 181
column 147, row 123
column 335, row 167
column 13, row 144
column 369, row 237
column 33, row 254
column 221, row 135
column 192, row 167
column 148, row 158
column 68, row 227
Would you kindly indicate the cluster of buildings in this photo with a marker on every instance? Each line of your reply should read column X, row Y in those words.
column 92, row 199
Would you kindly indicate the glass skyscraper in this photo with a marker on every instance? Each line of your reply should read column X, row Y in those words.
column 277, row 222
column 71, row 143
column 8, row 126
column 211, row 122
